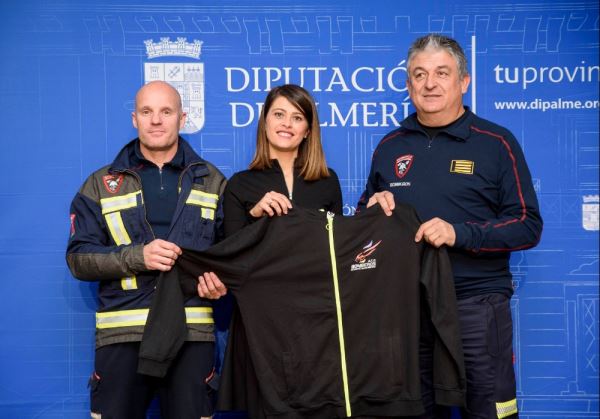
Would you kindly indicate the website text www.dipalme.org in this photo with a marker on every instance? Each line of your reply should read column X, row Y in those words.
column 545, row 105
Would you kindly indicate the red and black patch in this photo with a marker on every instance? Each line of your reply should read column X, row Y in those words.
column 112, row 183
column 403, row 164
column 72, row 225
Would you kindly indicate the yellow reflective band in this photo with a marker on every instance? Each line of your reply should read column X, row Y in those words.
column 138, row 317
column 117, row 228
column 129, row 283
column 118, row 203
column 505, row 409
column 121, row 318
column 199, row 315
column 208, row 213
column 338, row 306
column 203, row 199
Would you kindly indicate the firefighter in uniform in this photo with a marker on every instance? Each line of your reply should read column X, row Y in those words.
column 129, row 222
column 468, row 180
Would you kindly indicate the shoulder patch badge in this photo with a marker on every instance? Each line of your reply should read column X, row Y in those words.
column 72, row 216
column 403, row 164
column 112, row 183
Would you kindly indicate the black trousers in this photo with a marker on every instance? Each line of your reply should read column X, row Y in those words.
column 487, row 332
column 117, row 391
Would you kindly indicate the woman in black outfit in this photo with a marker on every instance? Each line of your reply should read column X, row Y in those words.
column 288, row 169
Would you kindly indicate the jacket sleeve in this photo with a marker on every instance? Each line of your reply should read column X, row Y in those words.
column 91, row 254
column 235, row 213
column 449, row 379
column 217, row 183
column 518, row 224
column 166, row 328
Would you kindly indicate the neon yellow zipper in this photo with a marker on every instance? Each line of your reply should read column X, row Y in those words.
column 338, row 307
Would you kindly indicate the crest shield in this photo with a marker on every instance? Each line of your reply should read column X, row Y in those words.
column 187, row 76
column 402, row 165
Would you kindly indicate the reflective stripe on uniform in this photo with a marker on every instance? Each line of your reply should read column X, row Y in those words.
column 120, row 237
column 118, row 203
column 121, row 318
column 206, row 201
column 505, row 409
column 208, row 213
column 198, row 315
column 138, row 317
column 203, row 199
column 114, row 220
column 129, row 283
column 117, row 228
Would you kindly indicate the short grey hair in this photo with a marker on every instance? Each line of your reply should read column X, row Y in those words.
column 439, row 42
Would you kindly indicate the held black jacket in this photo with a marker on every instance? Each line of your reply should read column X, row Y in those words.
column 331, row 307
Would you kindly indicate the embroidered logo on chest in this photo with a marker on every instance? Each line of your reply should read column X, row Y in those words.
column 112, row 183
column 403, row 164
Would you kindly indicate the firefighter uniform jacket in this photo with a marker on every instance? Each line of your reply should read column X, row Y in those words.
column 474, row 176
column 332, row 306
column 109, row 230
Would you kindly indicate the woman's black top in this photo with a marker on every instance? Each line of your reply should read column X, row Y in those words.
column 238, row 389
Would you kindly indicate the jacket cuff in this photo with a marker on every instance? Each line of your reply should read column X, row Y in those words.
column 447, row 397
column 136, row 259
column 461, row 232
column 153, row 368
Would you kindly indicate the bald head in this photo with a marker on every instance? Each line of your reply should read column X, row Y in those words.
column 161, row 87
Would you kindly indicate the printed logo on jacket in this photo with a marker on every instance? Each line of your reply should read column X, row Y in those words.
column 361, row 259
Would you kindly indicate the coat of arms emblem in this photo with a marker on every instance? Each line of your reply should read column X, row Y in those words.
column 186, row 77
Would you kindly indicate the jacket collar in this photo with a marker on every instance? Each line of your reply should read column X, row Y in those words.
column 275, row 163
column 176, row 161
column 459, row 130
column 130, row 156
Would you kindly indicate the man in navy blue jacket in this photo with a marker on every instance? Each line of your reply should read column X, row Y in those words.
column 129, row 221
column 467, row 177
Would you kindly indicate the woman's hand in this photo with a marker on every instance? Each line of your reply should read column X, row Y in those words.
column 210, row 286
column 270, row 204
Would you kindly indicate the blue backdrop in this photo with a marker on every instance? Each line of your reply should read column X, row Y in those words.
column 68, row 75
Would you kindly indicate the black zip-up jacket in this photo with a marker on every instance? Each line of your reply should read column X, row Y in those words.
column 244, row 189
column 332, row 309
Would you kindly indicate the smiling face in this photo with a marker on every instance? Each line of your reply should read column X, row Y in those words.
column 158, row 118
column 286, row 127
column 435, row 87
